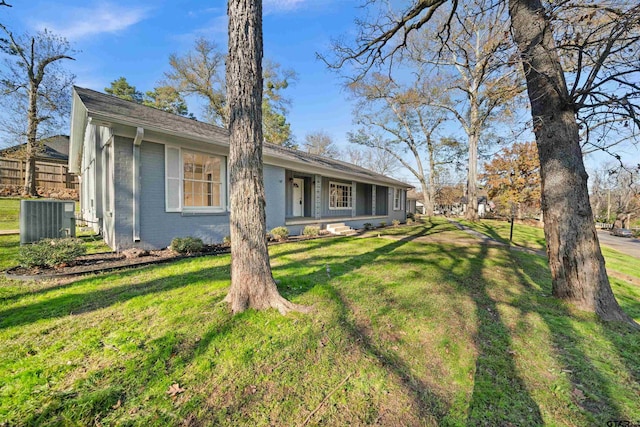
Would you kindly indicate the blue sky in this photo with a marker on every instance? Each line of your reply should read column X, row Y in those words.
column 134, row 39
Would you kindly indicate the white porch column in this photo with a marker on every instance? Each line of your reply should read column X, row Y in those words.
column 318, row 196
column 353, row 198
column 373, row 199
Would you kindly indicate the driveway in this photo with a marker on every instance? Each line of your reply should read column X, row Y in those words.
column 628, row 246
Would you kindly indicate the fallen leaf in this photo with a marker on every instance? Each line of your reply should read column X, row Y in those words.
column 117, row 405
column 175, row 389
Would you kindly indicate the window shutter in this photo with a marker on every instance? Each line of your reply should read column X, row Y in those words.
column 172, row 177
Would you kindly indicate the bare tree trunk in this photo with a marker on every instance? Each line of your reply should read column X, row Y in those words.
column 32, row 128
column 472, row 178
column 252, row 285
column 432, row 176
column 427, row 201
column 576, row 263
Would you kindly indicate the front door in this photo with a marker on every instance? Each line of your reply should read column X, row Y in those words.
column 298, row 197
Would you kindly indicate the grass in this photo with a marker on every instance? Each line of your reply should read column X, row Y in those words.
column 403, row 332
column 525, row 236
column 533, row 238
column 9, row 213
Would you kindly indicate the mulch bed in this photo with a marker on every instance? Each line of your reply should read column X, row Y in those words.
column 107, row 261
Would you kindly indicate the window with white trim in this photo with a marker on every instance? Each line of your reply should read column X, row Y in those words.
column 397, row 198
column 340, row 195
column 194, row 181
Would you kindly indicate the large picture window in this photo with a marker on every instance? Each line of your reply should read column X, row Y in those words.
column 195, row 181
column 339, row 196
column 202, row 180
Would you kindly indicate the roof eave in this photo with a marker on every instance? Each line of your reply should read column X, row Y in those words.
column 79, row 120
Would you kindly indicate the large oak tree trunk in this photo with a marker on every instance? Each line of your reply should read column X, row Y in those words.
column 576, row 263
column 252, row 285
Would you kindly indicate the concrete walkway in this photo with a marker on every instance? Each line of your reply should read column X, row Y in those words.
column 9, row 232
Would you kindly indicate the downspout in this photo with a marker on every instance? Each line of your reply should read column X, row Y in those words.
column 137, row 141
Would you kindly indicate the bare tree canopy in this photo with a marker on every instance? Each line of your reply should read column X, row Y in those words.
column 200, row 73
column 615, row 192
column 320, row 143
column 575, row 259
column 401, row 119
column 599, row 46
column 35, row 90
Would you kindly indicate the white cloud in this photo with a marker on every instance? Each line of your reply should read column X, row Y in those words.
column 100, row 18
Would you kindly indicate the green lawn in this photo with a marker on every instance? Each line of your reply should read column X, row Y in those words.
column 402, row 332
column 9, row 213
column 525, row 236
column 533, row 238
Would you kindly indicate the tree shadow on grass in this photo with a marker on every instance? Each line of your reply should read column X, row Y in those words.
column 430, row 406
column 95, row 396
column 501, row 400
column 500, row 396
column 590, row 388
column 78, row 303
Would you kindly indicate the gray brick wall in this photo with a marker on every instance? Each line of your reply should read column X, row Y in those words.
column 123, row 192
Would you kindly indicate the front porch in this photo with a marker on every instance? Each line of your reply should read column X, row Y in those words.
column 322, row 222
column 317, row 199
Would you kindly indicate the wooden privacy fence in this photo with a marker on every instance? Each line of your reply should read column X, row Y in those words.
column 48, row 174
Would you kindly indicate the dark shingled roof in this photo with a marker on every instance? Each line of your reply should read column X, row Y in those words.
column 52, row 148
column 131, row 113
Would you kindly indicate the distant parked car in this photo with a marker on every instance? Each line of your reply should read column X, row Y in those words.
column 622, row 232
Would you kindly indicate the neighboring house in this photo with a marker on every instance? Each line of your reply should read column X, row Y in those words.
column 53, row 149
column 483, row 205
column 52, row 159
column 412, row 199
column 149, row 176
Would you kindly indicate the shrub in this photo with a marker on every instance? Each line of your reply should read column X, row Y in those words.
column 410, row 215
column 395, row 222
column 280, row 233
column 187, row 245
column 311, row 231
column 367, row 226
column 383, row 223
column 409, row 221
column 51, row 252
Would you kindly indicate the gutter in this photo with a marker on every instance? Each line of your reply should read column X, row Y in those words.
column 137, row 141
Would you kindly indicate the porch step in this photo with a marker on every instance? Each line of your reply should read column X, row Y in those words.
column 341, row 229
